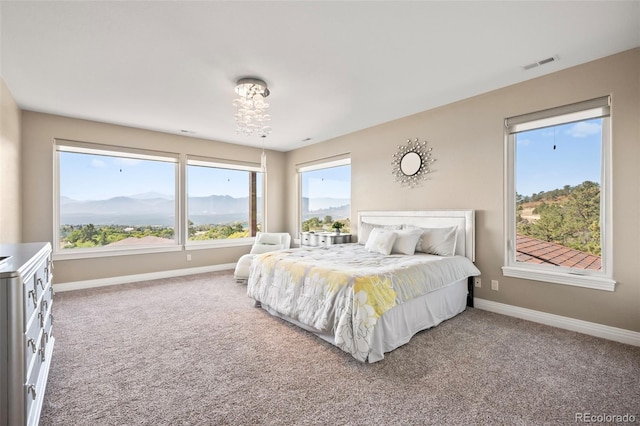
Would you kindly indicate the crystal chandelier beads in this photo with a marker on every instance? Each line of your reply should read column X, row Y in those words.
column 251, row 107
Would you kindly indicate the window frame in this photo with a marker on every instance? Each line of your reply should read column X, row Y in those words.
column 181, row 223
column 325, row 163
column 63, row 145
column 603, row 279
column 194, row 160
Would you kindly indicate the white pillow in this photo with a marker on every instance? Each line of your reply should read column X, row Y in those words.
column 406, row 241
column 264, row 248
column 364, row 230
column 380, row 241
column 439, row 241
column 269, row 239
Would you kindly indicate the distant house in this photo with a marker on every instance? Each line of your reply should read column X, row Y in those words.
column 532, row 250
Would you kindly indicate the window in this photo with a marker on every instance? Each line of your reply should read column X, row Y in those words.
column 558, row 195
column 111, row 199
column 224, row 200
column 325, row 195
column 115, row 200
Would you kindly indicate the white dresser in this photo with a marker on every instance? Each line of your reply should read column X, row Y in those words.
column 26, row 342
column 322, row 239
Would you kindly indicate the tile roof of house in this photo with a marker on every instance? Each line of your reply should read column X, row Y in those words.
column 531, row 250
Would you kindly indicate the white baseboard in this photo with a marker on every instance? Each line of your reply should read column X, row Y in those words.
column 591, row 328
column 101, row 282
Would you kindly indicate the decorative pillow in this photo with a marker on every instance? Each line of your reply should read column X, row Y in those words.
column 365, row 229
column 406, row 241
column 439, row 241
column 269, row 239
column 380, row 241
column 263, row 248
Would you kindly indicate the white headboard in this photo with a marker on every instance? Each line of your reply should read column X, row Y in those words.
column 463, row 219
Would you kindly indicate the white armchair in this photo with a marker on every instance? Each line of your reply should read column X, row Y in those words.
column 265, row 242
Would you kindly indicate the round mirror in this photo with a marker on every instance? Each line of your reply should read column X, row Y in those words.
column 410, row 163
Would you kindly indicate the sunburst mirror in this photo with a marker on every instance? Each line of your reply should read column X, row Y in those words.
column 412, row 163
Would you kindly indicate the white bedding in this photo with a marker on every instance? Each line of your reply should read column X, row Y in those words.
column 344, row 290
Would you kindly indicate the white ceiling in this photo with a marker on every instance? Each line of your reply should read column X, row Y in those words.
column 332, row 67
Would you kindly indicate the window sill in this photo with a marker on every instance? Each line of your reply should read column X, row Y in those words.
column 88, row 254
column 204, row 245
column 586, row 281
column 232, row 242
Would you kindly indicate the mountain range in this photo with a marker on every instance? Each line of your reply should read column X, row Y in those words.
column 159, row 210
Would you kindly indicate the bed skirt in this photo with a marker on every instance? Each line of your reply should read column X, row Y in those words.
column 396, row 326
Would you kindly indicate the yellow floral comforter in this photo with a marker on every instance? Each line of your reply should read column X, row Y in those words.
column 343, row 289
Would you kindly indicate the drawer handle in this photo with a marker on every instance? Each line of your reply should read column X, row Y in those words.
column 51, row 291
column 41, row 317
column 31, row 389
column 32, row 343
column 45, row 337
column 34, row 296
column 40, row 283
column 41, row 351
column 51, row 316
column 45, row 304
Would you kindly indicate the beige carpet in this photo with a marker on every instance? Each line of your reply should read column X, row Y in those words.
column 194, row 351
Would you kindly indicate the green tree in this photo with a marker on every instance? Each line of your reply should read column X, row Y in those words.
column 550, row 226
column 583, row 217
column 574, row 222
column 88, row 232
column 311, row 224
column 103, row 238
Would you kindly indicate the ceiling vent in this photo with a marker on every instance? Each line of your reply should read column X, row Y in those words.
column 542, row 62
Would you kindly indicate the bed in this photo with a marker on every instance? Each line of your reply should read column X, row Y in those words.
column 409, row 271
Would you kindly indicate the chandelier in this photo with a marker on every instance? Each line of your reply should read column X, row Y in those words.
column 251, row 107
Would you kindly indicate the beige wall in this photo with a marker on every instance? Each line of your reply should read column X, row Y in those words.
column 10, row 188
column 38, row 133
column 468, row 144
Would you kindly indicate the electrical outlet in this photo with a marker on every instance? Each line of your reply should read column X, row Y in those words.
column 477, row 281
column 494, row 285
column 188, row 258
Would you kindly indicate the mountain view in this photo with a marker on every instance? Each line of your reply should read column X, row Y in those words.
column 150, row 218
column 153, row 209
column 337, row 208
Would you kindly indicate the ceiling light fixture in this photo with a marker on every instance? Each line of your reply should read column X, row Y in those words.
column 251, row 115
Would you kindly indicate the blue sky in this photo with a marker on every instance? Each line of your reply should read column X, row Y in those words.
column 97, row 177
column 575, row 159
column 334, row 182
column 539, row 167
column 204, row 181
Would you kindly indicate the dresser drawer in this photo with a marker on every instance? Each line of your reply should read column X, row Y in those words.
column 339, row 239
column 34, row 287
column 31, row 343
column 26, row 343
column 46, row 329
column 305, row 239
column 32, row 386
column 31, row 296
